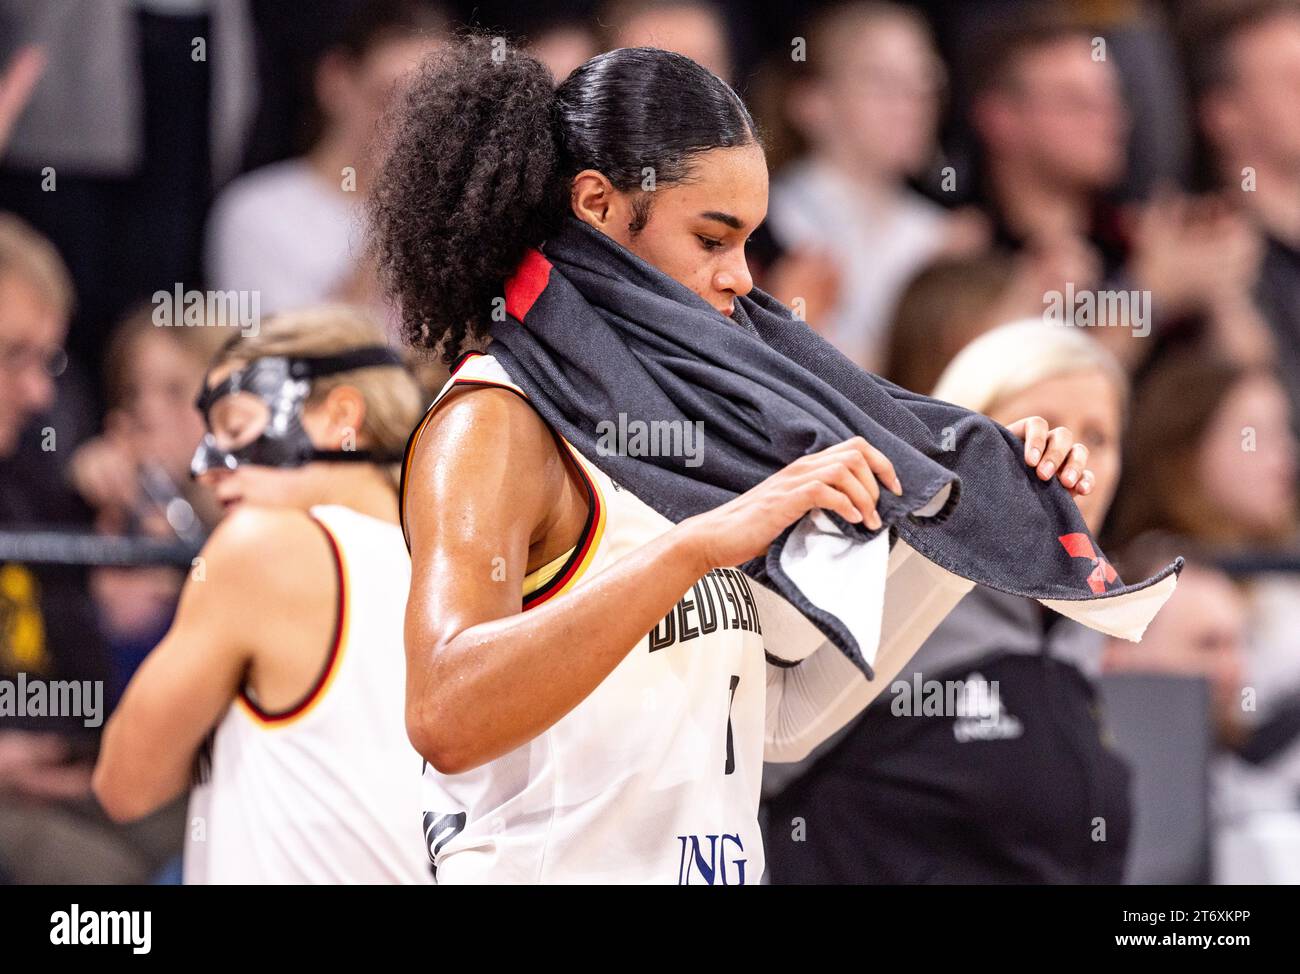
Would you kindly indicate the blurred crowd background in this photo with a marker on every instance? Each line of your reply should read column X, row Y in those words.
column 939, row 169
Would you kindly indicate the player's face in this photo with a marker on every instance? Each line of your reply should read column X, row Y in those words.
column 697, row 229
column 237, row 420
column 1089, row 404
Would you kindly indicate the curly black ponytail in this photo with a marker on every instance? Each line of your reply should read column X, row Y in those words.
column 469, row 181
column 483, row 153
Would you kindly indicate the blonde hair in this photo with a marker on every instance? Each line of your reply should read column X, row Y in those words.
column 394, row 400
column 1009, row 359
column 27, row 253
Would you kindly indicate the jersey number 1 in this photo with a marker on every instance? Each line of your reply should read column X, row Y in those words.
column 731, row 747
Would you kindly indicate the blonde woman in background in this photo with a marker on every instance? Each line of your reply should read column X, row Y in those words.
column 1014, row 783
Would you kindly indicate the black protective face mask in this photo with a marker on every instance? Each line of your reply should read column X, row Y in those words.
column 274, row 390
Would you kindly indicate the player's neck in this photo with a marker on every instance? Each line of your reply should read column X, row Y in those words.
column 364, row 488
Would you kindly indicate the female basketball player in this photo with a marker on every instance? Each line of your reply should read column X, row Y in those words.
column 287, row 640
column 615, row 730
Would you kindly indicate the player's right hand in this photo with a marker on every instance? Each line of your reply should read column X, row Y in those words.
column 844, row 478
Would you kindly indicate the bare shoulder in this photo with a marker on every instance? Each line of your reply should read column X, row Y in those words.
column 482, row 416
column 259, row 551
column 484, row 447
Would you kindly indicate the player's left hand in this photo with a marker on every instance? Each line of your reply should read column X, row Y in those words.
column 1054, row 452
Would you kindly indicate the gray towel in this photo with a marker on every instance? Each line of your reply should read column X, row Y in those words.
column 596, row 336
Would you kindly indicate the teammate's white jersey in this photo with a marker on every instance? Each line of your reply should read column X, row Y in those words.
column 327, row 792
column 654, row 777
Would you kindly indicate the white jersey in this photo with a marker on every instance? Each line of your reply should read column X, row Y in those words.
column 654, row 777
column 328, row 791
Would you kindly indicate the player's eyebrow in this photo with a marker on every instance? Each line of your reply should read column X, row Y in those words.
column 732, row 221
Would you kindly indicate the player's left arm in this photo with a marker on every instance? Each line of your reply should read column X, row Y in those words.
column 186, row 683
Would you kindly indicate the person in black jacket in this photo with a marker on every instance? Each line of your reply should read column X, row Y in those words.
column 984, row 760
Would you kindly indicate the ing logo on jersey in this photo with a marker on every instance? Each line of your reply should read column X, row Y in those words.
column 706, row 863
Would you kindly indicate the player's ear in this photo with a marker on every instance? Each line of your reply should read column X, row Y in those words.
column 344, row 410
column 593, row 199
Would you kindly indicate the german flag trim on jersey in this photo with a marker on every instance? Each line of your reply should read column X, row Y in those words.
column 273, row 720
column 583, row 553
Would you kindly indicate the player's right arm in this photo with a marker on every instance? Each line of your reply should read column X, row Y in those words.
column 484, row 677
column 266, row 576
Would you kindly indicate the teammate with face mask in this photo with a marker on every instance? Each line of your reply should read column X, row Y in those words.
column 280, row 683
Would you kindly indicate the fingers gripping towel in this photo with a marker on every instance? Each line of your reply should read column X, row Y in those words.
column 603, row 342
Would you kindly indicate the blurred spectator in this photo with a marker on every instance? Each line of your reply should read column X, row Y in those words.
column 1199, row 634
column 290, row 231
column 563, row 45
column 288, row 46
column 947, row 305
column 1204, row 631
column 954, row 300
column 141, row 110
column 1053, row 133
column 695, row 28
column 136, row 475
column 1245, row 60
column 17, row 79
column 50, row 829
column 1226, row 480
column 1134, row 34
column 1201, row 631
column 867, row 104
column 1052, row 130
column 1011, row 786
column 37, row 300
column 151, row 428
column 1226, row 474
